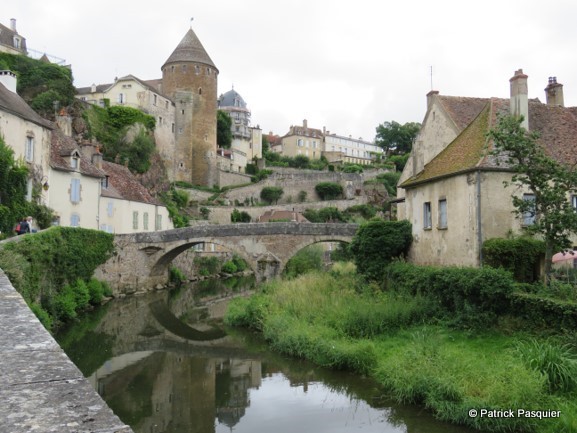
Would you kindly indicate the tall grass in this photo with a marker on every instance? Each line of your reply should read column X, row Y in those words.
column 558, row 363
column 336, row 321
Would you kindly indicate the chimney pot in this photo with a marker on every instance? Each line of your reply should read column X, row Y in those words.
column 554, row 93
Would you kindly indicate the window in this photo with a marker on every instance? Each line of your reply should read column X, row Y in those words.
column 173, row 127
column 442, row 213
column 121, row 98
column 153, row 99
column 74, row 220
column 74, row 161
column 529, row 215
column 196, row 70
column 159, row 120
column 166, row 105
column 110, row 209
column 300, row 142
column 158, row 222
column 135, row 220
column 75, row 190
column 145, row 221
column 16, row 42
column 574, row 202
column 427, row 220
column 29, row 148
column 104, row 182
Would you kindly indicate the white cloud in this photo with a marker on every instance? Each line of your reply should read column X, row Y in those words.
column 345, row 65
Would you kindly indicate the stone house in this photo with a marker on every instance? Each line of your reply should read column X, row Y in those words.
column 10, row 41
column 452, row 190
column 146, row 96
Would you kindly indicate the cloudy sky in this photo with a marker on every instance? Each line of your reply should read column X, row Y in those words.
column 346, row 65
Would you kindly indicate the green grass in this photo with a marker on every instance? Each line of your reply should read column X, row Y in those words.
column 336, row 321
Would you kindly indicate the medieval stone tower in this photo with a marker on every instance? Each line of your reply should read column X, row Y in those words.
column 189, row 77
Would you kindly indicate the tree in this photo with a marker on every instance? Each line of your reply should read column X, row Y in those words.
column 377, row 243
column 548, row 179
column 329, row 190
column 240, row 216
column 223, row 129
column 271, row 194
column 396, row 138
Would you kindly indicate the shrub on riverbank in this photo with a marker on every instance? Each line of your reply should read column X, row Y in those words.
column 53, row 269
column 401, row 338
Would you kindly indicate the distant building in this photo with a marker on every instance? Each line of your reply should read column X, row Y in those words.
column 246, row 139
column 314, row 143
column 10, row 41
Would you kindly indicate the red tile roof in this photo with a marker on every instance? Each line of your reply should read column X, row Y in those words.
column 62, row 147
column 123, row 184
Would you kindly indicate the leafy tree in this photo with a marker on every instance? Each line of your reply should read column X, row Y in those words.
column 223, row 129
column 301, row 161
column 396, row 138
column 329, row 190
column 271, row 194
column 377, row 243
column 306, row 260
column 548, row 179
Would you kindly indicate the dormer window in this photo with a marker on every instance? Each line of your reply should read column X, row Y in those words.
column 104, row 182
column 16, row 42
column 75, row 160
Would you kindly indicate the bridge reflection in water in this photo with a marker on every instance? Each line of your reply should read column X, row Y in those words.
column 162, row 376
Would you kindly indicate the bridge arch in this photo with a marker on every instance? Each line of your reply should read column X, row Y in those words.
column 162, row 264
column 141, row 260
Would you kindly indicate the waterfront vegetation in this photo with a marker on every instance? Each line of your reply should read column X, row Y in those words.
column 451, row 339
column 53, row 270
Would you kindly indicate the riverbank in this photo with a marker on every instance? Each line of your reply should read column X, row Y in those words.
column 408, row 346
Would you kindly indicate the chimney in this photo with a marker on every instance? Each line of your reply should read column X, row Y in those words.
column 430, row 97
column 519, row 102
column 8, row 78
column 554, row 92
column 305, row 124
column 13, row 25
column 97, row 159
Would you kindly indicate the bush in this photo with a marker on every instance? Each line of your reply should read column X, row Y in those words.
column 229, row 267
column 306, row 260
column 271, row 194
column 520, row 256
column 97, row 290
column 470, row 297
column 207, row 265
column 329, row 190
column 377, row 243
column 239, row 263
column 240, row 216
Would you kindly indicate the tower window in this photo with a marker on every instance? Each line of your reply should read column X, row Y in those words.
column 183, row 68
column 196, row 70
column 200, row 90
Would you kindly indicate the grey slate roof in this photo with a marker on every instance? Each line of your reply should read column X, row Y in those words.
column 14, row 104
column 227, row 99
column 190, row 49
column 7, row 38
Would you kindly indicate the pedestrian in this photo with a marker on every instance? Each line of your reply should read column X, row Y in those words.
column 24, row 226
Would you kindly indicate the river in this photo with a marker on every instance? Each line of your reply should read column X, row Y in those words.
column 164, row 363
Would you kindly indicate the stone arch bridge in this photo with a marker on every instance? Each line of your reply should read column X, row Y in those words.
column 141, row 260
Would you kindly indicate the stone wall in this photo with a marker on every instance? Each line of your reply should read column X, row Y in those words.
column 41, row 389
column 221, row 214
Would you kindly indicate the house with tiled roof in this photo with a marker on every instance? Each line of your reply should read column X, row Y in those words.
column 452, row 188
column 302, row 140
column 26, row 132
column 128, row 207
column 74, row 184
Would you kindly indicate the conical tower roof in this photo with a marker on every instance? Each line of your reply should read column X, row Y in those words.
column 190, row 49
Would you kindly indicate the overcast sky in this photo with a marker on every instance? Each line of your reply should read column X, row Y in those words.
column 346, row 65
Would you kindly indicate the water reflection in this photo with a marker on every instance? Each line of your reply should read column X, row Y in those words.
column 164, row 364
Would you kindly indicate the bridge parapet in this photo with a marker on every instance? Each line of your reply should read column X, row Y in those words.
column 141, row 260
